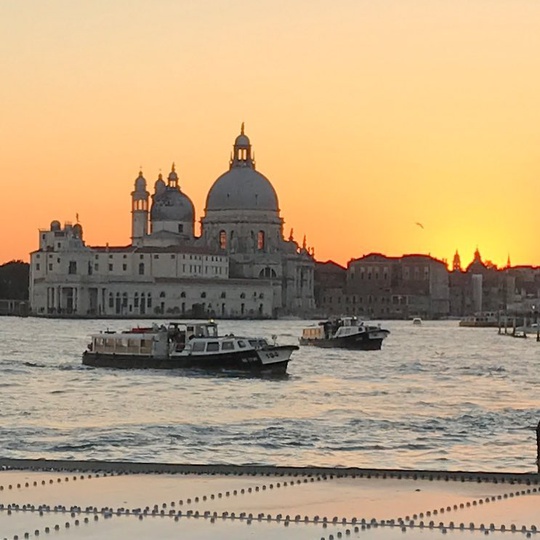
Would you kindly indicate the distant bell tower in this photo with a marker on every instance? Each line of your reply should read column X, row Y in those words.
column 456, row 264
column 139, row 211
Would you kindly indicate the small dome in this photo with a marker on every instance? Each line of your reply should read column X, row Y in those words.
column 140, row 183
column 173, row 177
column 242, row 141
column 159, row 186
column 171, row 204
column 55, row 225
column 78, row 230
column 242, row 188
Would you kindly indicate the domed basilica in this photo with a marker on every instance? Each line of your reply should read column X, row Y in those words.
column 240, row 266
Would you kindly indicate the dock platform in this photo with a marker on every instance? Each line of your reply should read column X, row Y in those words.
column 114, row 500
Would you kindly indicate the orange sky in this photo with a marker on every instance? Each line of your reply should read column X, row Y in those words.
column 366, row 116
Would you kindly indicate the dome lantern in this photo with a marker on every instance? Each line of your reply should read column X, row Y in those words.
column 242, row 151
column 172, row 179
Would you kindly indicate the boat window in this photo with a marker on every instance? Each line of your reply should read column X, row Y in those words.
column 263, row 343
column 212, row 346
column 253, row 343
column 227, row 346
column 241, row 344
column 198, row 346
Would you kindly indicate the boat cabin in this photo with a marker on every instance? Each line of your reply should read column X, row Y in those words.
column 223, row 345
column 150, row 343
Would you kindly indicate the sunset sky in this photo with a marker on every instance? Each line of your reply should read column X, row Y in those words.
column 367, row 116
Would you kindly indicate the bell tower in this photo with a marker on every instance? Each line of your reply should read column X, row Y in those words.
column 139, row 211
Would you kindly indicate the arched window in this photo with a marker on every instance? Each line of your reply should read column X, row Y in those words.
column 222, row 240
column 183, row 294
column 162, row 294
column 267, row 272
column 203, row 295
column 260, row 240
column 242, row 295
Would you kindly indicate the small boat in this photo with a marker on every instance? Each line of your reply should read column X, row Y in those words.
column 345, row 333
column 417, row 321
column 532, row 328
column 486, row 319
column 189, row 345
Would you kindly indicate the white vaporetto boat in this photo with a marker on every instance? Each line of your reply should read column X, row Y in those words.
column 191, row 345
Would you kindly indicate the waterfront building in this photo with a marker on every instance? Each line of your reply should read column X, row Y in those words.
column 381, row 287
column 240, row 266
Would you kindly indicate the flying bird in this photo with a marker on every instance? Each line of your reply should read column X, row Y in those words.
column 420, row 225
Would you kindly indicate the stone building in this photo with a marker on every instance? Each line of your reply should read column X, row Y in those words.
column 380, row 287
column 240, row 266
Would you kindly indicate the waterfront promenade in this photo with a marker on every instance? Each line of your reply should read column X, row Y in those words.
column 91, row 500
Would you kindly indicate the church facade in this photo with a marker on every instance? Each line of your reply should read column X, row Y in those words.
column 241, row 266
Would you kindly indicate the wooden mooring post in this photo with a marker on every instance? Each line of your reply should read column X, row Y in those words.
column 538, row 447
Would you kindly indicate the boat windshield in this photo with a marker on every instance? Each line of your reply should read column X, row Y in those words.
column 258, row 343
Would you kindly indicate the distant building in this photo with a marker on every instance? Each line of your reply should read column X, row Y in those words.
column 329, row 276
column 240, row 266
column 379, row 287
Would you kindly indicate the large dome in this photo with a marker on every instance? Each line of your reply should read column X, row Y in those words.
column 242, row 187
column 172, row 205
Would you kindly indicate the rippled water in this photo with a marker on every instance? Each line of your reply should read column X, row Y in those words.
column 435, row 397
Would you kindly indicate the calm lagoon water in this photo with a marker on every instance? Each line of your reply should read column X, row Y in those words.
column 435, row 397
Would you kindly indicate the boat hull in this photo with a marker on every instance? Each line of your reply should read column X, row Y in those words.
column 272, row 361
column 357, row 342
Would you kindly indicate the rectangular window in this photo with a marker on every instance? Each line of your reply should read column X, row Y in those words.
column 110, row 267
column 198, row 346
column 212, row 346
column 227, row 346
column 96, row 267
column 72, row 267
column 50, row 267
column 124, row 267
column 156, row 256
column 37, row 266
